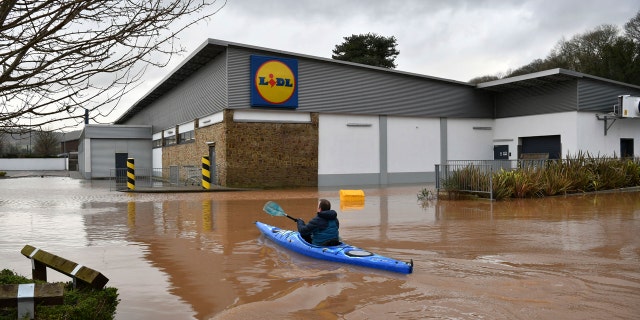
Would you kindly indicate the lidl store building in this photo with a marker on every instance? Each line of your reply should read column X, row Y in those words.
column 268, row 118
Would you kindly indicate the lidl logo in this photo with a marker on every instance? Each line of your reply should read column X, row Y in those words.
column 274, row 82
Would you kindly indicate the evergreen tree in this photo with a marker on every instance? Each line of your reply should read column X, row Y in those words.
column 371, row 49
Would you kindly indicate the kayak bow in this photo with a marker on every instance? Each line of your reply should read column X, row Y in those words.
column 343, row 253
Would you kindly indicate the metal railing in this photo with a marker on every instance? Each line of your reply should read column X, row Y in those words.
column 174, row 176
column 472, row 178
column 476, row 176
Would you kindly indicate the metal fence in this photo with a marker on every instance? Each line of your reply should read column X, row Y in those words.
column 476, row 176
column 473, row 178
column 174, row 176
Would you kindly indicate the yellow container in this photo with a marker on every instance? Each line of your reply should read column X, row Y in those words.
column 351, row 200
column 349, row 195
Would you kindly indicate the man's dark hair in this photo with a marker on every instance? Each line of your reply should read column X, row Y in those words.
column 325, row 205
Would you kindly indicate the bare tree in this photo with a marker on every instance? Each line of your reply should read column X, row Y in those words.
column 3, row 144
column 60, row 58
column 632, row 28
column 46, row 143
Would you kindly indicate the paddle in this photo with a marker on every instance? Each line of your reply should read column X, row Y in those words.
column 275, row 210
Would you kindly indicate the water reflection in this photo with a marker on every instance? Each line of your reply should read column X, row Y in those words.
column 199, row 255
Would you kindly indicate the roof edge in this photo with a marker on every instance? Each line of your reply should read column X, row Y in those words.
column 166, row 77
column 353, row 64
column 550, row 72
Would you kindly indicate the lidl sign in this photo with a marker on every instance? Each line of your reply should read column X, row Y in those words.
column 274, row 82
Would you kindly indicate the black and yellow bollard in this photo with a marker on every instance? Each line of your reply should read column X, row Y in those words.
column 131, row 174
column 206, row 173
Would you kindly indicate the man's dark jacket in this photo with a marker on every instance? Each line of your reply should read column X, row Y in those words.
column 323, row 228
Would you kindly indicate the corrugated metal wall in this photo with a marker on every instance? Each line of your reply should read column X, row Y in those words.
column 600, row 96
column 560, row 97
column 583, row 94
column 204, row 93
column 103, row 153
column 120, row 132
column 328, row 87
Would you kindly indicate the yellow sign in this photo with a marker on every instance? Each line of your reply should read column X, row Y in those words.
column 275, row 82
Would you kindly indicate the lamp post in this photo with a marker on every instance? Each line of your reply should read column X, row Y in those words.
column 64, row 150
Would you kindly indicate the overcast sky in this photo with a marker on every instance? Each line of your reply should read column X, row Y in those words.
column 457, row 40
column 450, row 39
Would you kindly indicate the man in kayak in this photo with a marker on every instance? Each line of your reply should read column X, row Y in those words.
column 322, row 230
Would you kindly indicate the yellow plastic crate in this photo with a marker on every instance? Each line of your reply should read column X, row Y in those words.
column 351, row 199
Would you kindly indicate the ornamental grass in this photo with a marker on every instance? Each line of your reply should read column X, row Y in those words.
column 575, row 174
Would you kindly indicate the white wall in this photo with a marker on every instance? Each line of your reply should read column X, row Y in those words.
column 563, row 124
column 271, row 116
column 156, row 153
column 470, row 139
column 592, row 138
column 33, row 164
column 413, row 144
column 156, row 158
column 346, row 149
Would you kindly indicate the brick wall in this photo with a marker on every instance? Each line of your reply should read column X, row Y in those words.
column 217, row 134
column 254, row 154
column 190, row 154
column 272, row 154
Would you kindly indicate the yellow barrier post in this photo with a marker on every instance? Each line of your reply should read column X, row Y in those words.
column 131, row 174
column 131, row 213
column 207, row 216
column 206, row 173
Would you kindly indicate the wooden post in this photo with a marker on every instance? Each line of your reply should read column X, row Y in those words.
column 38, row 269
column 85, row 275
column 25, row 297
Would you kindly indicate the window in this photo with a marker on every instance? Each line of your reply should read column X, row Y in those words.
column 188, row 136
column 157, row 143
column 168, row 141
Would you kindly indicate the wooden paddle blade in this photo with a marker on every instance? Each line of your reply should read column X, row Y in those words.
column 274, row 209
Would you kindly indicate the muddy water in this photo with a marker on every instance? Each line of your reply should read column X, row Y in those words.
column 199, row 255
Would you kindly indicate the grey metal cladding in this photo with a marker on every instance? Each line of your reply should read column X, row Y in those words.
column 203, row 93
column 550, row 98
column 121, row 132
column 239, row 78
column 600, row 96
column 102, row 157
column 329, row 87
column 103, row 154
column 338, row 88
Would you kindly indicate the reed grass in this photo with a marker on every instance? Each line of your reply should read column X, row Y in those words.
column 576, row 174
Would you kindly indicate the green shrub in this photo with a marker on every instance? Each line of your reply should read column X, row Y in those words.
column 503, row 185
column 86, row 303
column 554, row 179
column 575, row 174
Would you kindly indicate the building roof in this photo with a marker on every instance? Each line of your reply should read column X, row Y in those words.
column 201, row 56
column 211, row 48
column 541, row 78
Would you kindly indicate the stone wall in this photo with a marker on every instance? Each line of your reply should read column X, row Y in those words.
column 254, row 154
column 191, row 153
column 272, row 154
column 217, row 135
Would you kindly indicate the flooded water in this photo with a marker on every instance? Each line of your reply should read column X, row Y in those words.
column 199, row 255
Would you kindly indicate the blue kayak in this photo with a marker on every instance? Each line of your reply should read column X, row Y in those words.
column 341, row 253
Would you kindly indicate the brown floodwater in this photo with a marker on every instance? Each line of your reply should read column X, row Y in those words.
column 199, row 255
